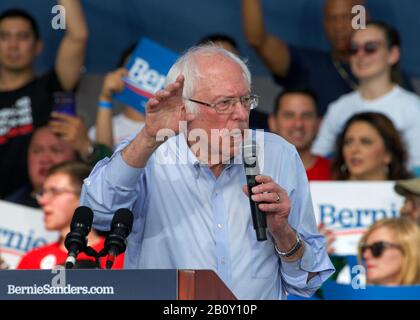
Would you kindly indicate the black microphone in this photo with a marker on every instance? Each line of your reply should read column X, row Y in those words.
column 116, row 242
column 76, row 239
column 259, row 219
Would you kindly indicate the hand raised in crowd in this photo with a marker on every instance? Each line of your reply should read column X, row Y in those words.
column 3, row 265
column 113, row 83
column 329, row 237
column 71, row 130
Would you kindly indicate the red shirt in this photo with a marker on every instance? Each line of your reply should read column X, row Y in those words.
column 48, row 256
column 321, row 170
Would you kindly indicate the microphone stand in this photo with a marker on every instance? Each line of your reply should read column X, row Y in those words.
column 101, row 254
column 90, row 252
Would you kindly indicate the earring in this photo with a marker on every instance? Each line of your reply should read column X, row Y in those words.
column 343, row 168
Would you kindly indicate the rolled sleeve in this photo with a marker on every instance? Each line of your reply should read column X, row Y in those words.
column 112, row 185
column 120, row 173
column 295, row 274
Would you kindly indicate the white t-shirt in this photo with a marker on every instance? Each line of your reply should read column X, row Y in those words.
column 401, row 106
column 122, row 127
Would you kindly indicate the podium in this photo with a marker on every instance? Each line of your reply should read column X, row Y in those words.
column 131, row 284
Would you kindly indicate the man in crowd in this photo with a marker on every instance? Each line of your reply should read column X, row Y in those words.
column 26, row 99
column 295, row 118
column 293, row 66
column 410, row 189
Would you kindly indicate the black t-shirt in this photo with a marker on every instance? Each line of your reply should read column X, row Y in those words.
column 23, row 196
column 258, row 120
column 21, row 111
column 315, row 70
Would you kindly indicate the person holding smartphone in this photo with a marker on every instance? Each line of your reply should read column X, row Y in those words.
column 26, row 98
column 65, row 139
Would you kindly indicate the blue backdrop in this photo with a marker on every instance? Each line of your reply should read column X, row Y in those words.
column 113, row 25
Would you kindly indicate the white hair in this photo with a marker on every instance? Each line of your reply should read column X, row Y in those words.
column 187, row 66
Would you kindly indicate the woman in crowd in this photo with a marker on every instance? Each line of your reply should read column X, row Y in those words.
column 390, row 252
column 374, row 60
column 59, row 198
column 369, row 149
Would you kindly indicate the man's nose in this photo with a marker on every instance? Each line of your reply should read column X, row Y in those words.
column 13, row 42
column 298, row 123
column 240, row 112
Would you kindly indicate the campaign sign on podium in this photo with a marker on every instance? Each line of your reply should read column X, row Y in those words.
column 147, row 69
column 95, row 284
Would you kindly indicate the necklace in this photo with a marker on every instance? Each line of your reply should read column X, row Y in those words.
column 344, row 74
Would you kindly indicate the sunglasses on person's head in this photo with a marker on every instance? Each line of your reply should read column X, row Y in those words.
column 377, row 248
column 369, row 47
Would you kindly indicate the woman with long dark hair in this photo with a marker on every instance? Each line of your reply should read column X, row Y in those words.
column 368, row 149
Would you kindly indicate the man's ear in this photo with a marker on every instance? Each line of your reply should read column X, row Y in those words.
column 272, row 123
column 318, row 123
column 39, row 46
column 189, row 116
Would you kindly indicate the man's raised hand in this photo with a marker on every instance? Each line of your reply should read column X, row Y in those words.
column 166, row 109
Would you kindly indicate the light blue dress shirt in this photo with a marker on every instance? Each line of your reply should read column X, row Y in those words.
column 186, row 218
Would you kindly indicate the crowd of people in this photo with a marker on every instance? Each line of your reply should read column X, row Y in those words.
column 344, row 115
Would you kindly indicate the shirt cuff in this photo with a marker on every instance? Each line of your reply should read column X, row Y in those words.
column 297, row 272
column 120, row 174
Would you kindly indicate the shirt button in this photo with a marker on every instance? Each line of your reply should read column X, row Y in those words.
column 87, row 183
column 223, row 260
column 220, row 226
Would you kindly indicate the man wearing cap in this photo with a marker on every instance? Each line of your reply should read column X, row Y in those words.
column 410, row 189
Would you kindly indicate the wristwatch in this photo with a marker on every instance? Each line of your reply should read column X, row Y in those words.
column 292, row 251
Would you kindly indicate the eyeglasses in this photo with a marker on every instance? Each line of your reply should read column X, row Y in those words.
column 377, row 248
column 249, row 101
column 369, row 47
column 53, row 192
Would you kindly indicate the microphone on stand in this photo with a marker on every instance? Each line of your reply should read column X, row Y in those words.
column 116, row 242
column 76, row 239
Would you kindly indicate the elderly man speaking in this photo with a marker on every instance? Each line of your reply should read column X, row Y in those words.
column 191, row 207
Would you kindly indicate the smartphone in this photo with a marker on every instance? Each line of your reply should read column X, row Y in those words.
column 65, row 102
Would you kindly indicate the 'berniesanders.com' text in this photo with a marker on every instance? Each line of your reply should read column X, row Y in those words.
column 66, row 290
